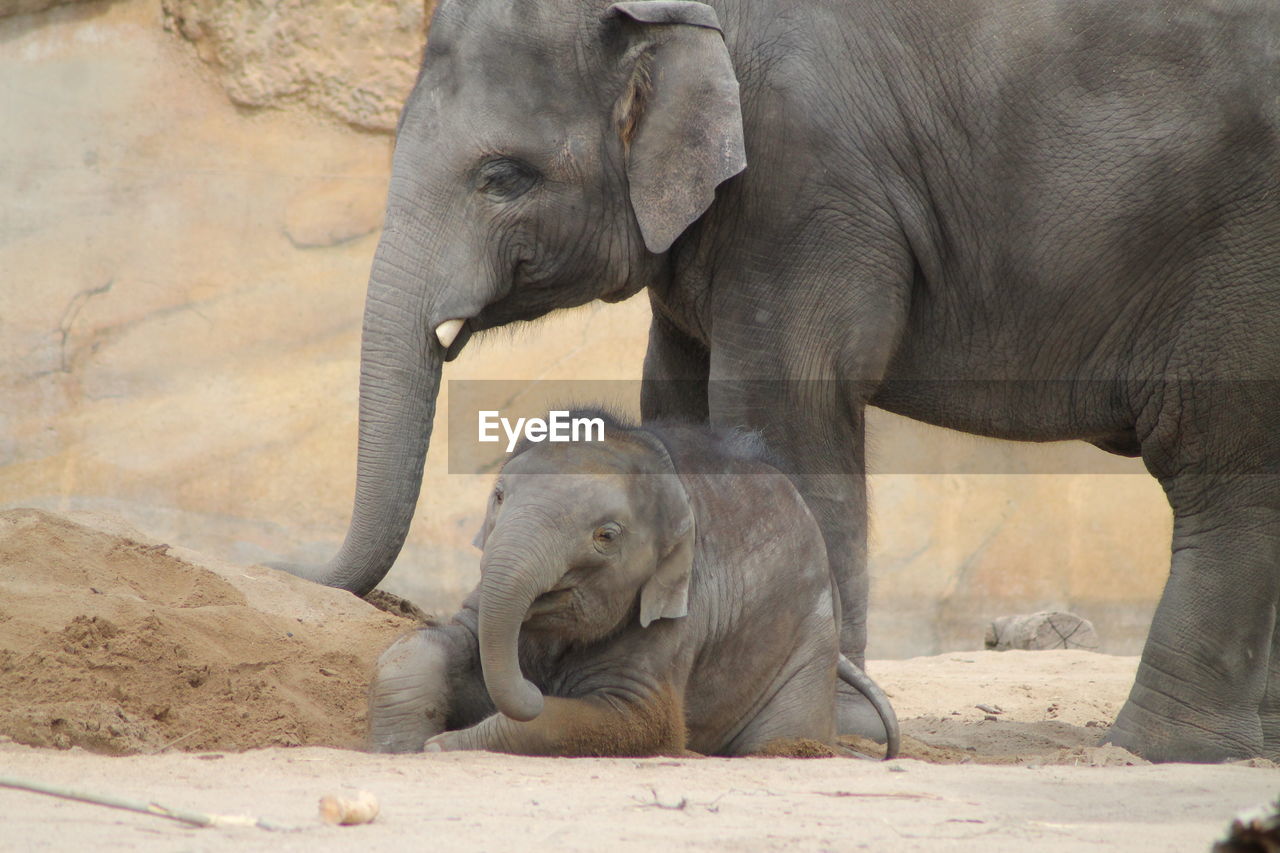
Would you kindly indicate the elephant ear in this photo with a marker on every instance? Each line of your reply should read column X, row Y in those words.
column 665, row 595
column 679, row 117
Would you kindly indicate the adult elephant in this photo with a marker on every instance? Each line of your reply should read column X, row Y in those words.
column 1041, row 220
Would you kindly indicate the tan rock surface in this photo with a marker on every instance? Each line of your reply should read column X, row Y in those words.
column 328, row 212
column 26, row 7
column 355, row 60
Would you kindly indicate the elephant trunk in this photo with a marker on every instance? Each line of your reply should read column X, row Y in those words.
column 400, row 362
column 515, row 571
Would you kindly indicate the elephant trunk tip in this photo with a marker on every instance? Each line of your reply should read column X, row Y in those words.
column 323, row 574
column 524, row 704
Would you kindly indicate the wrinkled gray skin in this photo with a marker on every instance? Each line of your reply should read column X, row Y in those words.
column 634, row 599
column 1053, row 219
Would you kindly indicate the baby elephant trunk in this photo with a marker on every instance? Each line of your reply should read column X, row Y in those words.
column 862, row 682
column 512, row 579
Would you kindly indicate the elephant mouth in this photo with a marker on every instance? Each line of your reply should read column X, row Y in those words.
column 549, row 602
column 459, row 341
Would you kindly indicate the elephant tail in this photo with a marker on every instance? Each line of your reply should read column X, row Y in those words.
column 860, row 681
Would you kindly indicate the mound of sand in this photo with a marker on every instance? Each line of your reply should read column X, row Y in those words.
column 120, row 644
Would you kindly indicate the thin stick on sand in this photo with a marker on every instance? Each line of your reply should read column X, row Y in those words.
column 189, row 818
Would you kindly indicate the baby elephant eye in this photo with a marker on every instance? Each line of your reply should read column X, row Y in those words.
column 503, row 179
column 497, row 496
column 606, row 534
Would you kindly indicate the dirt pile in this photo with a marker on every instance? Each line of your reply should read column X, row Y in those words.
column 123, row 645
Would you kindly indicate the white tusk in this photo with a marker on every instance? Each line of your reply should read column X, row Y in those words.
column 447, row 332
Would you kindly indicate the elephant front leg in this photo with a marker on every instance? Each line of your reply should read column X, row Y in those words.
column 409, row 694
column 816, row 428
column 803, row 336
column 675, row 374
column 804, row 326
column 595, row 725
column 424, row 682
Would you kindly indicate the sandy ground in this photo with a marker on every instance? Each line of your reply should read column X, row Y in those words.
column 136, row 669
column 496, row 802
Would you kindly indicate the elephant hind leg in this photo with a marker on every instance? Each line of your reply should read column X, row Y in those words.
column 798, row 720
column 1204, row 670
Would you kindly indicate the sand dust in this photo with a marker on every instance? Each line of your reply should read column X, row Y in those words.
column 201, row 672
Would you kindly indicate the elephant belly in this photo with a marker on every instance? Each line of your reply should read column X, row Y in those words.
column 1014, row 409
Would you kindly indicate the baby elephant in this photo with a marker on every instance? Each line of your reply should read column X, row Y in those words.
column 660, row 590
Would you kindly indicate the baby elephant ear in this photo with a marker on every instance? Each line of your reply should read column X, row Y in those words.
column 666, row 594
column 679, row 118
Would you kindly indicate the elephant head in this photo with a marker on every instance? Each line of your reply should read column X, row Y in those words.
column 579, row 540
column 550, row 154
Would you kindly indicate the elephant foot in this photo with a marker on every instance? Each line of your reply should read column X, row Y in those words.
column 855, row 715
column 1270, row 734
column 1168, row 733
column 408, row 698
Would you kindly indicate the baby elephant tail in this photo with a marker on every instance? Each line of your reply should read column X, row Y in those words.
column 862, row 682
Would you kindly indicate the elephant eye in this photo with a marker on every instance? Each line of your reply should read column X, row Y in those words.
column 504, row 179
column 498, row 495
column 606, row 535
